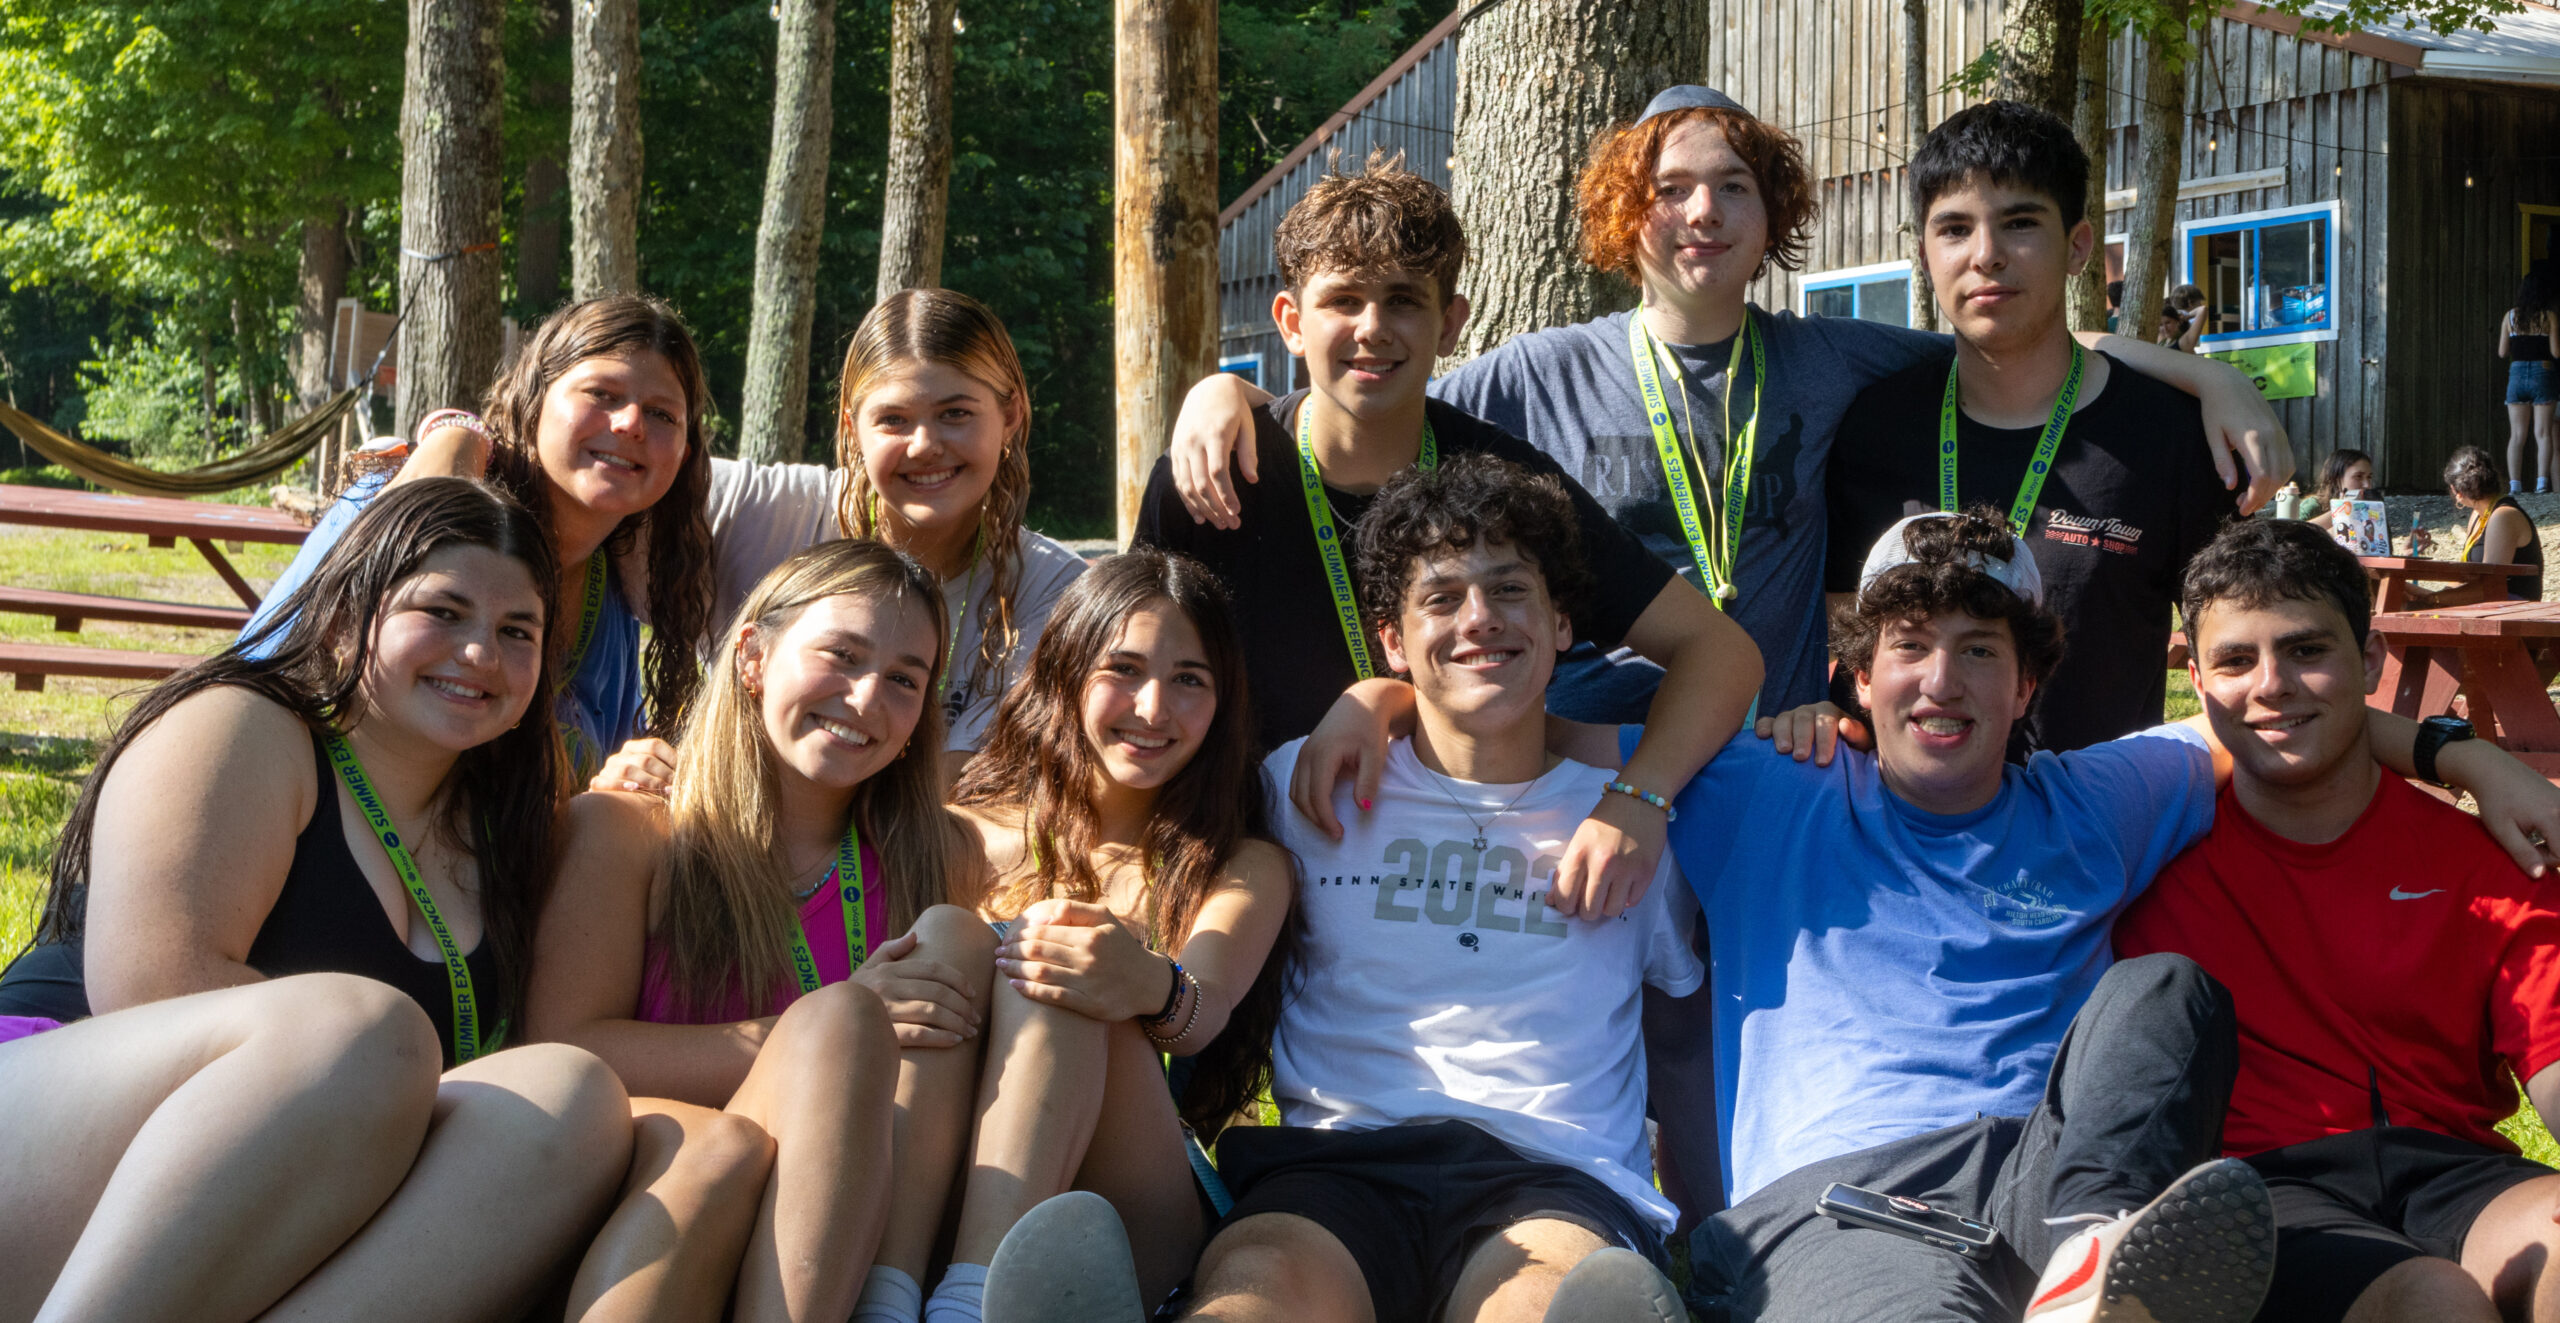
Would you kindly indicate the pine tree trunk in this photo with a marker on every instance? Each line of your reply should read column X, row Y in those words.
column 2042, row 64
column 2088, row 292
column 2161, row 150
column 1537, row 80
column 604, row 147
column 774, row 421
column 1915, row 128
column 917, row 189
column 450, row 196
column 1164, row 317
column 323, row 281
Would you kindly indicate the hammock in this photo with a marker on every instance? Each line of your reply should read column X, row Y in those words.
column 254, row 465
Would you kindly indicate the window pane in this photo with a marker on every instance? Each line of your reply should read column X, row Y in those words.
column 1837, row 301
column 2214, row 259
column 1887, row 301
column 2293, row 275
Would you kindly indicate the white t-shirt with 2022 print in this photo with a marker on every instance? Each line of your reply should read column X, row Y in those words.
column 1440, row 987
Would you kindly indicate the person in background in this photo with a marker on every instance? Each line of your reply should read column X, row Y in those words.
column 2524, row 340
column 2498, row 531
column 2182, row 319
column 2345, row 475
column 2115, row 303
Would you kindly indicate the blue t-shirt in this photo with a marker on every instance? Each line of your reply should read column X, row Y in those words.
column 598, row 709
column 1571, row 392
column 1881, row 972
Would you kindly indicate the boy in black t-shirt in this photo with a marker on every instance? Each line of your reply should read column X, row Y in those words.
column 1371, row 262
column 2129, row 493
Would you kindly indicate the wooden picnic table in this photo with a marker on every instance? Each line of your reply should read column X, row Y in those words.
column 163, row 522
column 2393, row 577
column 2484, row 653
column 158, row 518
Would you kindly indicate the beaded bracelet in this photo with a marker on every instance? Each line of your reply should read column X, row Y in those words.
column 462, row 418
column 1172, row 997
column 1669, row 814
column 1187, row 1021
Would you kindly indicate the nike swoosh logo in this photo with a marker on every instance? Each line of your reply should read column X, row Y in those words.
column 2398, row 894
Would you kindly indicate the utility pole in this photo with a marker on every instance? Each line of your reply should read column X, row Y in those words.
column 1164, row 181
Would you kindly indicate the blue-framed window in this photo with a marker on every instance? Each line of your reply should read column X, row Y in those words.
column 1879, row 293
column 2268, row 277
column 1247, row 366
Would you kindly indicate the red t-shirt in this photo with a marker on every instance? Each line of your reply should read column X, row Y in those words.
column 2410, row 947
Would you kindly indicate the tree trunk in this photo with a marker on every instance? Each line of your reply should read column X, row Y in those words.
column 1537, row 80
column 1915, row 127
column 2160, row 150
column 2088, row 292
column 1164, row 317
column 323, row 282
column 774, row 421
column 248, row 352
column 450, row 197
column 538, row 224
column 916, row 192
column 604, row 147
column 2041, row 61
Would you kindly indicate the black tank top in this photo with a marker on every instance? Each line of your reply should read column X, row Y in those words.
column 325, row 920
column 2520, row 587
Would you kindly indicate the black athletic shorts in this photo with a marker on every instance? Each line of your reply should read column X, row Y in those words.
column 2352, row 1207
column 1411, row 1202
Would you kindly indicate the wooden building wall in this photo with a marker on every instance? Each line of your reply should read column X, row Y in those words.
column 2455, row 260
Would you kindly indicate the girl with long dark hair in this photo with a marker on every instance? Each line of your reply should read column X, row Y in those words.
column 766, row 959
column 596, row 427
column 1124, row 818
column 369, row 797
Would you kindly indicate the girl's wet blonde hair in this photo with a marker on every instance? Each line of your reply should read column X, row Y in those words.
column 730, row 912
column 955, row 331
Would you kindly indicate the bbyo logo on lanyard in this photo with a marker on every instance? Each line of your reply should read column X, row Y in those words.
column 848, row 881
column 2022, row 509
column 466, row 1004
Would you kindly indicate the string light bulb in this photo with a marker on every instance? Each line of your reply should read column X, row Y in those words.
column 2466, row 179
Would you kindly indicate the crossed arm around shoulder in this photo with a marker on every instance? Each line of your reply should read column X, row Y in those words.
column 1711, row 672
column 2519, row 807
column 1082, row 958
column 1213, row 436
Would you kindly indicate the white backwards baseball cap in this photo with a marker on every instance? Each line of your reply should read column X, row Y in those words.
column 2018, row 574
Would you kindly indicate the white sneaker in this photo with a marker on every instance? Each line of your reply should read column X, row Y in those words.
column 1066, row 1261
column 2200, row 1253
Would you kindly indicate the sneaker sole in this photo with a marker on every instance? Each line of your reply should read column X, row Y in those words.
column 2202, row 1253
column 1615, row 1286
column 1066, row 1261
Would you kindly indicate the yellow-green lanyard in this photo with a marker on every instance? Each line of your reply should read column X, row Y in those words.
column 1716, row 555
column 1337, row 574
column 2022, row 511
column 571, row 738
column 857, row 946
column 466, row 1005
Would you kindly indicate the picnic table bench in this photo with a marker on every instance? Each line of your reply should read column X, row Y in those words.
column 163, row 522
column 2483, row 653
column 2394, row 578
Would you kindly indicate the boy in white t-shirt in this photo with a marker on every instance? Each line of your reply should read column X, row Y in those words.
column 1458, row 1068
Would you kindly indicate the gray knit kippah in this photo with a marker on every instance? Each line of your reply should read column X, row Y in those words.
column 1690, row 96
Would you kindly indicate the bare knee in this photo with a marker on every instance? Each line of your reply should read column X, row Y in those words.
column 1281, row 1258
column 560, row 1111
column 725, row 1156
column 841, row 1032
column 361, row 1041
column 959, row 939
column 2429, row 1289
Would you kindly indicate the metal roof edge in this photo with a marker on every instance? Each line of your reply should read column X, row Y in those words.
column 1441, row 31
column 2408, row 57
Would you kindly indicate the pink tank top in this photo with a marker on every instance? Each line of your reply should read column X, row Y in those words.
column 821, row 919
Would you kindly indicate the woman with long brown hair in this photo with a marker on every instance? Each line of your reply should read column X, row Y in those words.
column 1123, row 815
column 596, row 427
column 730, row 950
column 368, row 799
column 933, row 458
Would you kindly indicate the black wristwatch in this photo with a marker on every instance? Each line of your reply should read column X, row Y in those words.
column 2433, row 734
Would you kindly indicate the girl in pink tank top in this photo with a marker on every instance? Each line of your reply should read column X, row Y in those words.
column 766, row 959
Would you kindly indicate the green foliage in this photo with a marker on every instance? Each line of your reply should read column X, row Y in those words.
column 2174, row 21
column 1284, row 66
column 148, row 396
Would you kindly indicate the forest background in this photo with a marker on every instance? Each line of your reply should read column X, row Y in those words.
column 159, row 175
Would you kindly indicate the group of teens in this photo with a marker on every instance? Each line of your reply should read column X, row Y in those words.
column 912, row 850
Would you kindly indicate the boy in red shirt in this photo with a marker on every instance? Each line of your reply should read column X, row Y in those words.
column 2390, row 965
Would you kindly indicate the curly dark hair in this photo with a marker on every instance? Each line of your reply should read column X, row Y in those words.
column 1616, row 189
column 1039, row 765
column 2010, row 143
column 2259, row 562
column 1940, row 581
column 2472, row 473
column 1370, row 221
column 1421, row 512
